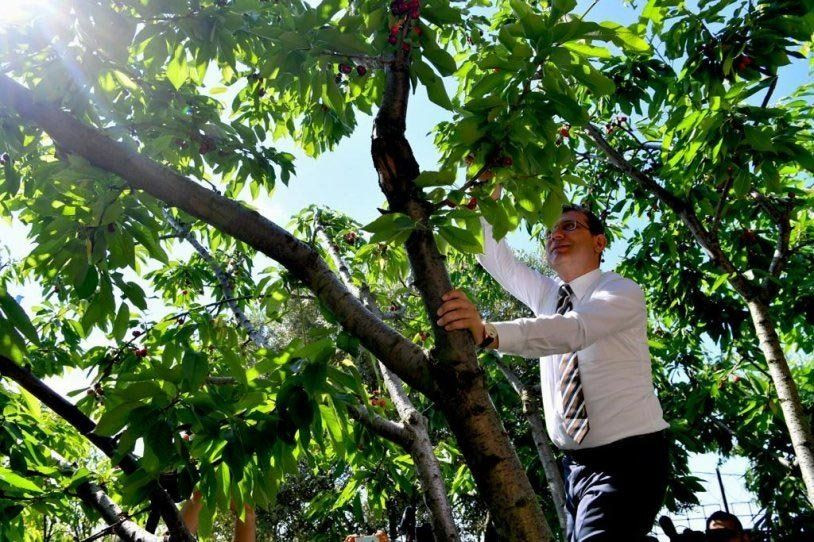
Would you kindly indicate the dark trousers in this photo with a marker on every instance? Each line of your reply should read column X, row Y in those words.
column 613, row 492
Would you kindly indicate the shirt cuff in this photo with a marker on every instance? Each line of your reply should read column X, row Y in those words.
column 509, row 337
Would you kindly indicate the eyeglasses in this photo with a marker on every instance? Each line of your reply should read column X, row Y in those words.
column 565, row 226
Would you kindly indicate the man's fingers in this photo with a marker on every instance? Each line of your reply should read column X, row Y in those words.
column 455, row 304
column 458, row 314
column 453, row 294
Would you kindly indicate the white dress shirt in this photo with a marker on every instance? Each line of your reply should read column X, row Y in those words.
column 607, row 327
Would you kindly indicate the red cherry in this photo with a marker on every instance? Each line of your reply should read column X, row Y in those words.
column 136, row 333
column 405, row 47
column 506, row 161
column 392, row 40
column 361, row 70
column 423, row 336
column 417, row 30
column 472, row 203
column 142, row 353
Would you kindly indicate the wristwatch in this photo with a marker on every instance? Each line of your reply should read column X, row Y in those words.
column 489, row 335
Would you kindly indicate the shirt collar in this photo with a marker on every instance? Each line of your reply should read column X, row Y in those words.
column 582, row 283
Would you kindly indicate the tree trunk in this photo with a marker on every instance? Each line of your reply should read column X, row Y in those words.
column 532, row 412
column 463, row 397
column 793, row 413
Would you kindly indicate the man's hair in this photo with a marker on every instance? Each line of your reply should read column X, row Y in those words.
column 595, row 225
column 722, row 516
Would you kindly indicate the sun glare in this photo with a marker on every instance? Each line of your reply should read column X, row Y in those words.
column 15, row 12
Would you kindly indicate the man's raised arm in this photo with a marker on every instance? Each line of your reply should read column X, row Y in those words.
column 514, row 276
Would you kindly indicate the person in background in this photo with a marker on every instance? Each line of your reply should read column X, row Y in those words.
column 725, row 527
column 244, row 531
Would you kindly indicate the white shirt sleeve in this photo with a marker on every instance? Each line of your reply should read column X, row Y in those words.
column 616, row 306
column 524, row 283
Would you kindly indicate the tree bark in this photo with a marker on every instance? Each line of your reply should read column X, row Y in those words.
column 85, row 426
column 416, row 431
column 230, row 217
column 787, row 395
column 463, row 398
column 125, row 529
column 532, row 412
column 797, row 423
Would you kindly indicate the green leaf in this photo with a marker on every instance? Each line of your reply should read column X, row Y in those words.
column 436, row 91
column 121, row 322
column 586, row 50
column 435, row 178
column 568, row 108
column 626, row 38
column 177, row 70
column 114, row 419
column 460, row 239
column 88, row 286
column 12, row 180
column 389, row 226
column 12, row 344
column 759, row 139
column 441, row 59
column 18, row 318
column 13, row 479
column 195, row 369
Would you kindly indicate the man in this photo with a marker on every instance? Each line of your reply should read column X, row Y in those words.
column 725, row 527
column 590, row 332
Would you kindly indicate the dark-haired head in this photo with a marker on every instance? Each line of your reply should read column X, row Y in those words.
column 595, row 224
column 724, row 520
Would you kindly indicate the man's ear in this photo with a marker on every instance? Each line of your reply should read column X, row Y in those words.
column 600, row 242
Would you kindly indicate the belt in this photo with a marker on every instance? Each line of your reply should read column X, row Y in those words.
column 618, row 447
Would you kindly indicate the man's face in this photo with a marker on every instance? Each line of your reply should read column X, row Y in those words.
column 721, row 530
column 570, row 247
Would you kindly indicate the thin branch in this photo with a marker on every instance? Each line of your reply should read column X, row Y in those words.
column 257, row 335
column 708, row 240
column 532, row 412
column 772, row 86
column 719, row 210
column 392, row 431
column 587, row 11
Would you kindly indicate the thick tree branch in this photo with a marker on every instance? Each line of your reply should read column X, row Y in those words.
column 399, row 353
column 85, row 426
column 118, row 522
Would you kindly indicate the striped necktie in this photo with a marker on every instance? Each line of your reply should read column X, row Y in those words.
column 574, row 414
